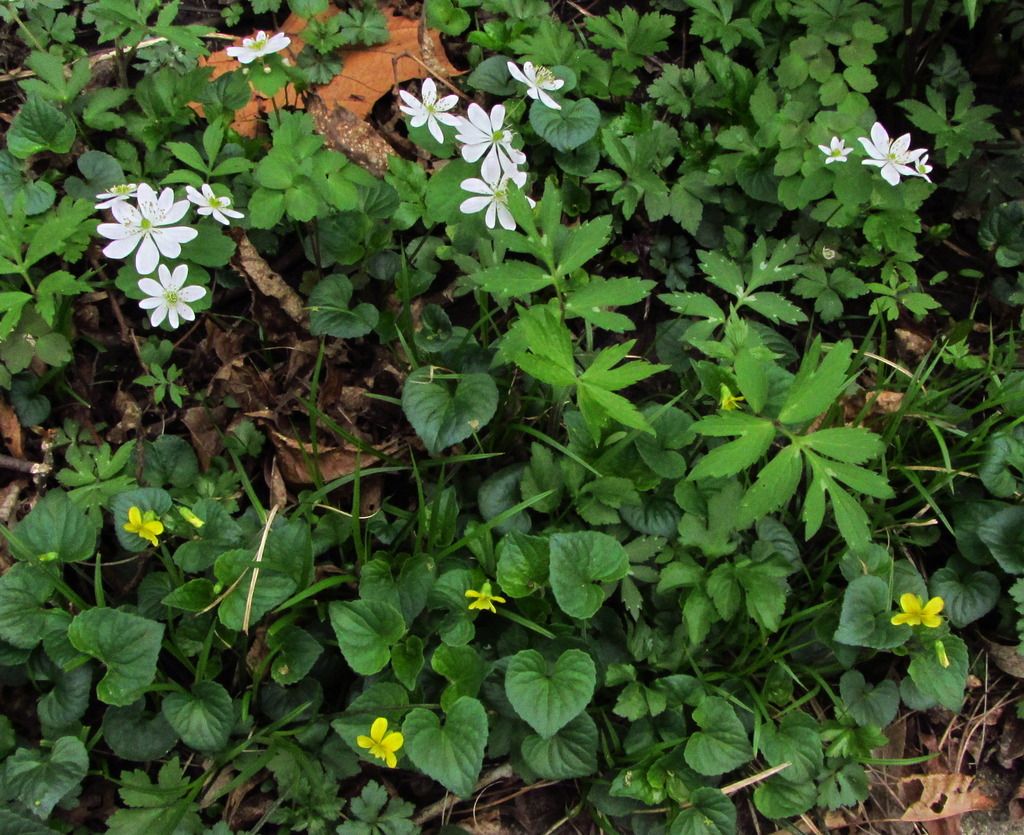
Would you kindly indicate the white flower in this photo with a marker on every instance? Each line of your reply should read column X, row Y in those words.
column 168, row 299
column 890, row 155
column 537, row 81
column 921, row 167
column 493, row 196
column 835, row 151
column 116, row 194
column 431, row 110
column 211, row 205
column 482, row 133
column 148, row 227
column 262, row 44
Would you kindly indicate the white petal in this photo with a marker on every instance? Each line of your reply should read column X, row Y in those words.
column 428, row 91
column 172, row 316
column 471, row 152
column 186, row 312
column 472, row 205
column 191, row 294
column 547, row 100
column 479, row 119
column 475, row 186
column 505, row 217
column 435, row 129
column 176, row 279
column 876, row 162
column 880, row 137
column 125, row 213
column 890, row 174
column 447, row 103
column 175, row 212
column 151, row 288
column 516, row 73
column 873, row 152
column 195, row 196
column 492, row 210
column 178, row 234
column 152, row 302
column 158, row 314
column 497, row 117
column 122, row 248
column 419, row 119
column 148, row 256
column 490, row 171
column 115, row 231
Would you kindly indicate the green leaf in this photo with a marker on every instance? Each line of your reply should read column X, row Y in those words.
column 56, row 529
column 584, row 242
column 127, row 644
column 943, row 684
column 867, row 704
column 330, row 314
column 1003, row 533
column 522, row 564
column 572, row 752
column 572, row 126
column 580, row 563
column 775, row 485
column 851, row 445
column 797, row 741
column 443, row 417
column 132, row 734
column 41, row 780
column 233, row 570
column 721, row 745
column 866, row 615
column 815, row 389
column 492, row 76
column 24, row 619
column 548, row 696
column 464, row 669
column 37, row 127
column 968, row 597
column 366, row 630
column 780, row 798
column 710, row 813
column 452, row 753
column 735, row 456
column 296, row 651
column 203, row 718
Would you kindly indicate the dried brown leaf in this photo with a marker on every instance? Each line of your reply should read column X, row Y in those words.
column 10, row 428
column 343, row 131
column 944, row 796
column 250, row 264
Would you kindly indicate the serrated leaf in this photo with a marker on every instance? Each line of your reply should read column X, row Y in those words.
column 39, row 126
column 815, row 389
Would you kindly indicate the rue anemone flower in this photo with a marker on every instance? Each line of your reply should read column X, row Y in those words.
column 918, row 613
column 380, row 743
column 484, row 134
column 169, row 299
column 484, row 598
column 892, row 156
column 921, row 167
column 431, row 110
column 259, row 46
column 209, row 204
column 538, row 81
column 144, row 525
column 491, row 190
column 148, row 227
column 835, row 151
column 116, row 194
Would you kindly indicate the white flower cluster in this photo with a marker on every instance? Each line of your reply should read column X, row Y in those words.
column 263, row 44
column 892, row 156
column 149, row 229
column 483, row 136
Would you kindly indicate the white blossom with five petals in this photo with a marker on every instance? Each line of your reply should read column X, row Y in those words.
column 148, row 227
column 209, row 204
column 116, row 194
column 483, row 134
column 491, row 192
column 431, row 110
column 538, row 81
column 835, row 151
column 169, row 299
column 892, row 156
column 259, row 46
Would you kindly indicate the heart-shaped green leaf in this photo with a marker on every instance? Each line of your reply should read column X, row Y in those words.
column 202, row 718
column 366, row 629
column 549, row 696
column 443, row 414
column 572, row 752
column 129, row 646
column 56, row 526
column 721, row 745
column 580, row 562
column 576, row 122
column 41, row 779
column 452, row 753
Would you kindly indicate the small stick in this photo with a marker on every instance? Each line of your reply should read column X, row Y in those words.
column 256, row 569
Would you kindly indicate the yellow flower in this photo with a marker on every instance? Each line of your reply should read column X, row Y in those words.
column 729, row 402
column 380, row 743
column 918, row 613
column 484, row 598
column 190, row 517
column 144, row 525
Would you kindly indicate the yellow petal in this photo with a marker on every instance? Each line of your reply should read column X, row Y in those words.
column 911, row 602
column 933, row 606
column 393, row 741
column 364, row 741
column 931, row 621
column 497, row 599
column 904, row 618
column 472, row 593
column 391, row 760
column 378, row 728
column 134, row 516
